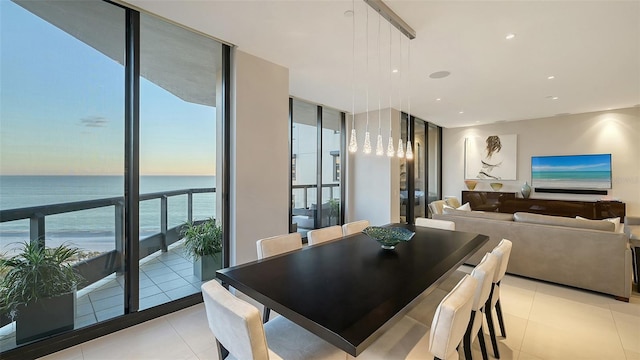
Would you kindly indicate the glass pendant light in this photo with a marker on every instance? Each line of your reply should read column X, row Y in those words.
column 379, row 145
column 366, row 148
column 400, row 152
column 409, row 153
column 353, row 142
column 390, row 150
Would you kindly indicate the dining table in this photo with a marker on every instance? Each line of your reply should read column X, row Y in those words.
column 350, row 290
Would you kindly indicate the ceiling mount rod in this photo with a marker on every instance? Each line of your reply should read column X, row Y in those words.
column 392, row 17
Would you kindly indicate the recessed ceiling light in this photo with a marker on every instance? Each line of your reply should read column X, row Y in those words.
column 394, row 71
column 348, row 13
column 439, row 74
column 551, row 77
column 438, row 99
column 461, row 112
column 510, row 36
column 551, row 97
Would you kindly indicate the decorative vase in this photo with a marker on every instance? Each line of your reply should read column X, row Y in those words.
column 526, row 190
column 471, row 184
column 496, row 186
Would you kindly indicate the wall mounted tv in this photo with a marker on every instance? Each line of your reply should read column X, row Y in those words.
column 571, row 172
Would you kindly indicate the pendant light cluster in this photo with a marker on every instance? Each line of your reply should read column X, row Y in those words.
column 353, row 141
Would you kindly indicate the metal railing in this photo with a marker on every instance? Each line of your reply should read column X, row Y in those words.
column 306, row 188
column 109, row 262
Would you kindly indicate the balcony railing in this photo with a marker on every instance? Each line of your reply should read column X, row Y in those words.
column 109, row 262
column 305, row 192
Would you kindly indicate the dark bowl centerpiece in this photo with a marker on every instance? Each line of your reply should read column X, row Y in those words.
column 388, row 237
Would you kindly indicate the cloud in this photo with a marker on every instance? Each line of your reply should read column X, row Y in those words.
column 94, row 121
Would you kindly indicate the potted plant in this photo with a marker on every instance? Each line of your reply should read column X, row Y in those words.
column 203, row 244
column 37, row 290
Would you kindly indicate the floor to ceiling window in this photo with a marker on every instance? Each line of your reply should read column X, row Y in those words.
column 421, row 175
column 316, row 162
column 177, row 153
column 71, row 137
column 62, row 145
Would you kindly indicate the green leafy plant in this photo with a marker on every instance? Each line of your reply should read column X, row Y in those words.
column 35, row 273
column 202, row 239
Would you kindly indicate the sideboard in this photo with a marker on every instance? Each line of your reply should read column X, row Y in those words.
column 508, row 203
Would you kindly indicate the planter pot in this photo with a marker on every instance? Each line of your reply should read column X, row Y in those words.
column 45, row 317
column 204, row 268
column 5, row 320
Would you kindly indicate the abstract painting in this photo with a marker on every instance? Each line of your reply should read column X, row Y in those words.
column 492, row 158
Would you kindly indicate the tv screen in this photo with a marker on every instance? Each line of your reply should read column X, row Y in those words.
column 571, row 171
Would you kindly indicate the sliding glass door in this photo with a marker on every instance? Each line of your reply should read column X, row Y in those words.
column 420, row 176
column 92, row 95
column 316, row 163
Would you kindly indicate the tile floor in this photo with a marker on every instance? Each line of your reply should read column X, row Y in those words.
column 163, row 277
column 543, row 321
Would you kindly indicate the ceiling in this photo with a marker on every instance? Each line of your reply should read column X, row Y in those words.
column 592, row 48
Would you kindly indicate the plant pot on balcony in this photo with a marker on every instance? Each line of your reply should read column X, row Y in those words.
column 203, row 244
column 37, row 289
column 205, row 267
column 45, row 317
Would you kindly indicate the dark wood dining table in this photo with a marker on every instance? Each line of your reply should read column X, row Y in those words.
column 349, row 291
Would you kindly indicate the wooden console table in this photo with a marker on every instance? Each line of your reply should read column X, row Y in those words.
column 486, row 200
column 506, row 202
column 595, row 210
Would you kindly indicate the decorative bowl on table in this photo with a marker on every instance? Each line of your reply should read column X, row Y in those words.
column 496, row 186
column 388, row 237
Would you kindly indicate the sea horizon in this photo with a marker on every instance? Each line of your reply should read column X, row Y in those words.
column 94, row 229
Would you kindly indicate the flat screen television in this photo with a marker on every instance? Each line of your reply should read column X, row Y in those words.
column 571, row 171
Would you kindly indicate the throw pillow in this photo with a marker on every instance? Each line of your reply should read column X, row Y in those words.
column 616, row 221
column 465, row 207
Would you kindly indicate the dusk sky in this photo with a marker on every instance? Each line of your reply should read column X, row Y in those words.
column 61, row 109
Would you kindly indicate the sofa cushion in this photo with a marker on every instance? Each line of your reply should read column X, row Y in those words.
column 619, row 228
column 465, row 207
column 479, row 214
column 563, row 221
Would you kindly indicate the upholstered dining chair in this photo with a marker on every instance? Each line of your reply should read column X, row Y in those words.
column 451, row 320
column 436, row 223
column 317, row 236
column 277, row 245
column 236, row 325
column 354, row 227
column 484, row 272
column 502, row 252
column 436, row 206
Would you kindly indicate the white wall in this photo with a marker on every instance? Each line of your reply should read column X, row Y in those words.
column 373, row 182
column 260, row 171
column 616, row 132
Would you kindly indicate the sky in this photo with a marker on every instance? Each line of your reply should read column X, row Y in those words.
column 62, row 109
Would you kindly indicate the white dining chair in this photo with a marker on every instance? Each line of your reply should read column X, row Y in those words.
column 502, row 251
column 451, row 320
column 436, row 223
column 484, row 273
column 317, row 236
column 277, row 245
column 354, row 227
column 236, row 325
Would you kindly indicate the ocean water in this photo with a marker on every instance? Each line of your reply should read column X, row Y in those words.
column 93, row 230
column 572, row 179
